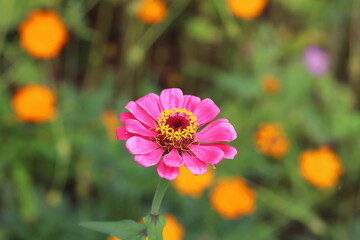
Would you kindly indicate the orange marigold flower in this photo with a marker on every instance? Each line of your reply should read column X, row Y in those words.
column 247, row 9
column 113, row 238
column 173, row 230
column 232, row 198
column 194, row 185
column 34, row 103
column 271, row 84
column 271, row 141
column 110, row 121
column 321, row 167
column 43, row 34
column 152, row 11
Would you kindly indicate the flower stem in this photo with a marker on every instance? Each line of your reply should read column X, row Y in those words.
column 159, row 194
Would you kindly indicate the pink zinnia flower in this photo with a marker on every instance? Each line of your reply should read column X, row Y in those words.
column 163, row 130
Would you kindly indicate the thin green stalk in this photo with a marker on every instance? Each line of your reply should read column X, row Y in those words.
column 230, row 25
column 155, row 222
column 154, row 33
column 62, row 144
column 102, row 30
column 159, row 194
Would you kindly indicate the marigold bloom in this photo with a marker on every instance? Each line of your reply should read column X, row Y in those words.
column 271, row 84
column 162, row 130
column 321, row 167
column 34, row 103
column 232, row 198
column 188, row 184
column 152, row 11
column 247, row 9
column 110, row 121
column 43, row 34
column 113, row 238
column 271, row 141
column 316, row 60
column 173, row 230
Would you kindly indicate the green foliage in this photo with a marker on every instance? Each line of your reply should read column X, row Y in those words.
column 125, row 229
column 57, row 174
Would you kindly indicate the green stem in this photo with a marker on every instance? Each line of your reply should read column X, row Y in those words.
column 159, row 194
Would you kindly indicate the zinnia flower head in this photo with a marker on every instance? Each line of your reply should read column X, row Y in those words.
column 169, row 130
column 43, row 34
column 173, row 230
column 152, row 11
column 271, row 84
column 34, row 103
column 247, row 9
column 316, row 60
column 232, row 198
column 193, row 185
column 321, row 167
column 270, row 140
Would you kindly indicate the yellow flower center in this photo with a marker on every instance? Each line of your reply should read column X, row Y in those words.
column 176, row 128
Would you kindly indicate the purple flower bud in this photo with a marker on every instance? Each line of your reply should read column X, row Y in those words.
column 316, row 60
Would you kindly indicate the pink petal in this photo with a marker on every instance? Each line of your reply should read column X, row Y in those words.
column 140, row 114
column 149, row 159
column 219, row 132
column 191, row 102
column 171, row 98
column 122, row 134
column 194, row 165
column 169, row 173
column 139, row 145
column 125, row 116
column 173, row 159
column 206, row 111
column 213, row 124
column 207, row 154
column 229, row 151
column 151, row 104
column 134, row 126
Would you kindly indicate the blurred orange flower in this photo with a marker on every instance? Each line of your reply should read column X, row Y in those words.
column 194, row 185
column 271, row 141
column 173, row 230
column 34, row 103
column 113, row 238
column 43, row 34
column 152, row 11
column 232, row 198
column 110, row 121
column 247, row 9
column 321, row 167
column 271, row 84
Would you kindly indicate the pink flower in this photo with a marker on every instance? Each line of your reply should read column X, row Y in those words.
column 163, row 130
column 316, row 60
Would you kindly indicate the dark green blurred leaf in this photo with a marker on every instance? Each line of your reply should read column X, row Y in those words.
column 26, row 193
column 125, row 229
column 202, row 30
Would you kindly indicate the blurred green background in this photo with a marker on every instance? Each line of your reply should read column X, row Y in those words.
column 56, row 174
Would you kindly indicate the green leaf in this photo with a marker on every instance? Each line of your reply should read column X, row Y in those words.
column 125, row 229
column 26, row 193
column 154, row 226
